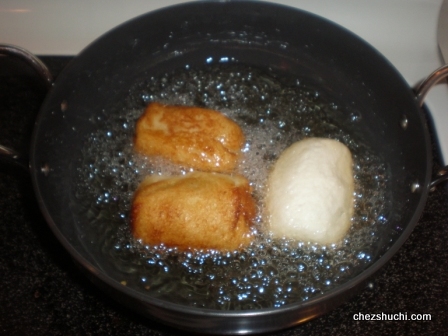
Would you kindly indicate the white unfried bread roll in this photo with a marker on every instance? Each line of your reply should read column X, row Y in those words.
column 310, row 192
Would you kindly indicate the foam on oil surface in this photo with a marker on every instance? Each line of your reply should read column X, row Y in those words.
column 273, row 113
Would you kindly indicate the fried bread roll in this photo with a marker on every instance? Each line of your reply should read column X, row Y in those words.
column 310, row 191
column 199, row 138
column 198, row 210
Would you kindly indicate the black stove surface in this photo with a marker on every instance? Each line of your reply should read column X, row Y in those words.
column 43, row 293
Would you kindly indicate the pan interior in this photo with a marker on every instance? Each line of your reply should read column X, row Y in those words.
column 293, row 75
column 274, row 113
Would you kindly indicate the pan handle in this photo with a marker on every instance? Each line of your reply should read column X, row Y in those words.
column 420, row 95
column 31, row 59
column 10, row 154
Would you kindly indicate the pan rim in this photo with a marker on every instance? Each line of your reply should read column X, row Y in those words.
column 333, row 293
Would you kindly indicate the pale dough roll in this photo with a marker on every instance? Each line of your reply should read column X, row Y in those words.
column 198, row 211
column 197, row 137
column 310, row 191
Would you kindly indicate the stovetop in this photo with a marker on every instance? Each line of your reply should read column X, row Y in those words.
column 43, row 293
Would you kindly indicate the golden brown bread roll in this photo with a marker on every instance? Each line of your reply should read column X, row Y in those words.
column 199, row 138
column 198, row 210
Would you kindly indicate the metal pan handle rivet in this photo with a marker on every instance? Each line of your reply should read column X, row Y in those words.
column 404, row 122
column 45, row 169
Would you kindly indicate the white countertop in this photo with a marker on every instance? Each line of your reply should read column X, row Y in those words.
column 404, row 31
